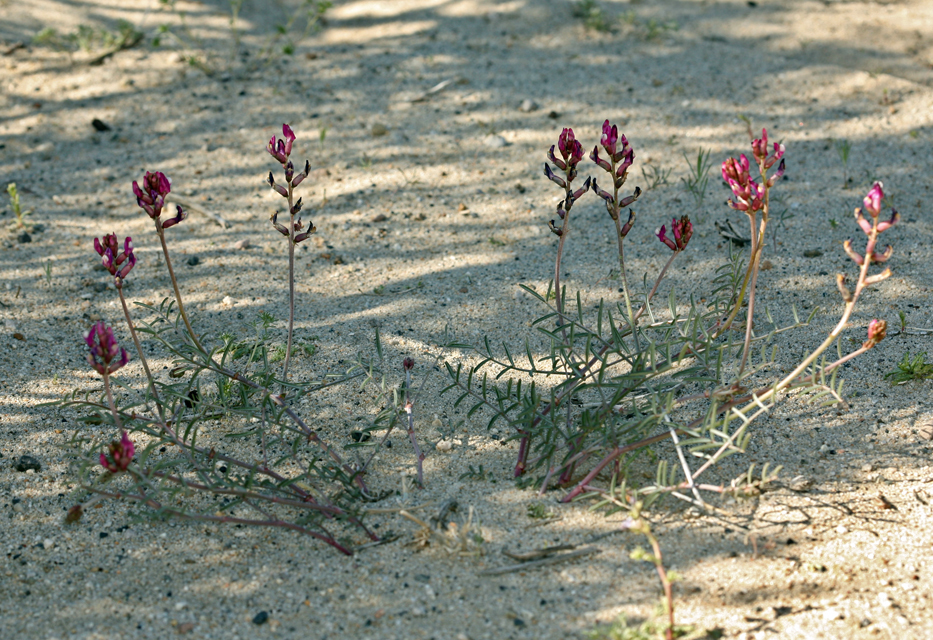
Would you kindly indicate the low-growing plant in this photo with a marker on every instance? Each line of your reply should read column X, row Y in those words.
column 908, row 369
column 698, row 179
column 598, row 387
column 592, row 15
column 166, row 459
column 655, row 177
column 843, row 147
column 18, row 211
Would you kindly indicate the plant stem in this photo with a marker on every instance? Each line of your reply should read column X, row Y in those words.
column 419, row 455
column 113, row 407
column 171, row 273
column 139, row 350
column 291, row 280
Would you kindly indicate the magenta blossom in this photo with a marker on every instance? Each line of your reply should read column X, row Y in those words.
column 105, row 356
column 112, row 258
column 682, row 230
column 872, row 201
column 151, row 196
column 121, row 455
column 570, row 148
column 760, row 150
column 281, row 149
column 408, row 364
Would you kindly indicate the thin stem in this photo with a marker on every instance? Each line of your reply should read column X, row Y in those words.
column 113, row 407
column 419, row 455
column 291, row 280
column 171, row 273
column 139, row 350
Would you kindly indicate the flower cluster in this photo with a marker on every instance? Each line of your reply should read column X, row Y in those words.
column 281, row 149
column 872, row 203
column 621, row 156
column 749, row 194
column 121, row 455
column 151, row 197
column 105, row 356
column 877, row 329
column 682, row 230
column 112, row 258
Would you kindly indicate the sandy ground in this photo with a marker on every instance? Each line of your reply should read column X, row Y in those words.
column 436, row 200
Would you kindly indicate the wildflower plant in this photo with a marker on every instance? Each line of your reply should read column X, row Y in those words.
column 631, row 375
column 219, row 392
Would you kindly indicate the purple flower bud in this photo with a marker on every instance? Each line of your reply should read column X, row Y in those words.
column 579, row 192
column 289, row 136
column 278, row 227
column 887, row 224
column 105, row 355
column 301, row 176
column 858, row 259
column 609, row 138
column 121, row 455
column 553, row 177
column 736, row 170
column 624, row 202
column 623, row 167
column 662, row 236
column 289, row 171
column 628, row 225
column 760, row 146
column 603, row 164
column 408, row 364
column 560, row 163
column 877, row 330
column 180, row 215
column 296, row 207
column 777, row 175
column 555, row 229
column 873, row 200
column 605, row 195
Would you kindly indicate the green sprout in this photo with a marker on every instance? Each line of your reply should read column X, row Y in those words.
column 17, row 208
column 911, row 369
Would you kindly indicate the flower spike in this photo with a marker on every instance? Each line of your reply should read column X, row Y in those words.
column 121, row 455
column 105, row 355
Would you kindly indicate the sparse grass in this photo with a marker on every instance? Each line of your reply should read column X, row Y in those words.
column 910, row 369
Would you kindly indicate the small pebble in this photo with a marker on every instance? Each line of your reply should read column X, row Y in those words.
column 418, row 612
column 436, row 423
column 242, row 244
column 100, row 125
column 228, row 301
column 379, row 130
column 841, row 529
column 26, row 463
column 444, row 446
column 48, row 543
column 261, row 618
column 801, row 484
column 194, row 261
column 812, row 253
column 494, row 141
column 23, row 238
column 868, row 467
column 527, row 106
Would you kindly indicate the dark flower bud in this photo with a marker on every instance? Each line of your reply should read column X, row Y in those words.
column 624, row 202
column 560, row 163
column 105, row 355
column 121, row 455
column 296, row 207
column 180, row 215
column 553, row 177
column 554, row 229
column 408, row 364
column 289, row 171
column 628, row 225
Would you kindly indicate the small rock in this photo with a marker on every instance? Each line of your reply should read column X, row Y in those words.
column 418, row 612
column 19, row 336
column 527, row 106
column 494, row 141
column 766, row 265
column 194, row 261
column 553, row 115
column 381, row 218
column 228, row 301
column 885, row 600
column 261, row 618
column 831, row 614
column 242, row 244
column 48, row 543
column 436, row 423
column 812, row 253
column 444, row 446
column 23, row 238
column 462, row 208
column 801, row 484
column 926, row 431
column 867, row 468
column 100, row 125
column 842, row 530
column 26, row 463
column 379, row 130
column 464, row 290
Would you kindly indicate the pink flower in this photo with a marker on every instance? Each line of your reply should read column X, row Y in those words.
column 105, row 356
column 877, row 329
column 111, row 257
column 681, row 229
column 151, row 196
column 872, row 201
column 281, row 149
column 180, row 214
column 570, row 148
column 121, row 455
column 760, row 150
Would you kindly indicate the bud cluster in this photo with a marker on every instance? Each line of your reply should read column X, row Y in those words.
column 151, row 197
column 872, row 204
column 105, row 355
column 682, row 230
column 620, row 158
column 121, row 455
column 281, row 150
column 112, row 258
column 749, row 194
